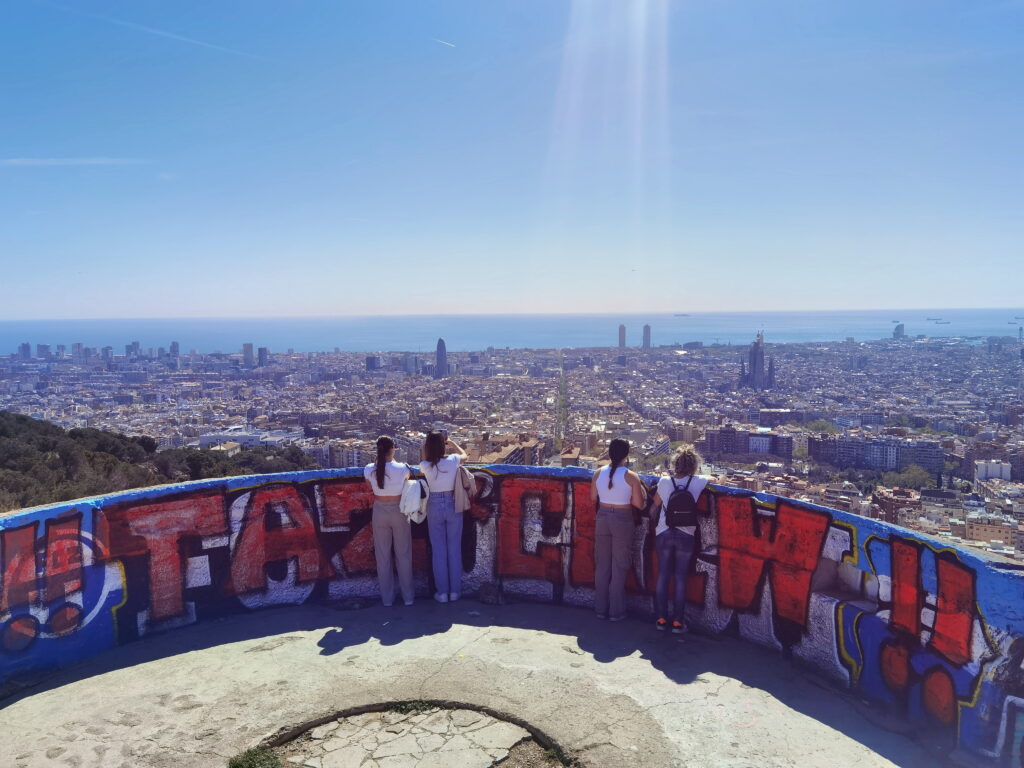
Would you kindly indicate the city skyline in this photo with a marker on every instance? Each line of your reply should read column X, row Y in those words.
column 179, row 160
column 420, row 333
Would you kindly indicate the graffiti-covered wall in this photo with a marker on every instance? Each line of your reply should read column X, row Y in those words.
column 909, row 622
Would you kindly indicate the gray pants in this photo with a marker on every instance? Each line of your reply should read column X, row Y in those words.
column 613, row 556
column 392, row 529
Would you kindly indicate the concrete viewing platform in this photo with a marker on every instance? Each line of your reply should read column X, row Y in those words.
column 206, row 616
column 609, row 694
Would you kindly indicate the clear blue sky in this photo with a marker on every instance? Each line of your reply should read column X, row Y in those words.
column 320, row 157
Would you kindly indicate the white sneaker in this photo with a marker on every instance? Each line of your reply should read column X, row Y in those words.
column 408, row 602
column 453, row 597
column 441, row 597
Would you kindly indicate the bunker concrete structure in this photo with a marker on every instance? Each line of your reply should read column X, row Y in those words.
column 905, row 621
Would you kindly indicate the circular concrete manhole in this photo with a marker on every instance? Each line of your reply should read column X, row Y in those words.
column 417, row 735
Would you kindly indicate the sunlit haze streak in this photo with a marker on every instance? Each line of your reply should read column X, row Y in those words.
column 611, row 110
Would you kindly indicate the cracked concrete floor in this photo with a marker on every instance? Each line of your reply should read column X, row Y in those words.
column 612, row 694
column 423, row 738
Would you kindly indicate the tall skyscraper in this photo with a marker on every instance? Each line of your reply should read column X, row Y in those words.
column 25, row 351
column 247, row 357
column 899, row 331
column 263, row 356
column 622, row 337
column 755, row 375
column 175, row 349
column 647, row 337
column 441, row 364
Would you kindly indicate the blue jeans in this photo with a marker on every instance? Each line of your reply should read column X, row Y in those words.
column 674, row 549
column 444, row 525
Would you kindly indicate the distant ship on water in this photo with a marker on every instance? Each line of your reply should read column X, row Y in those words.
column 679, row 314
column 933, row 318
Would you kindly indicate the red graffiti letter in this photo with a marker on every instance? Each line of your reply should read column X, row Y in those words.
column 342, row 498
column 513, row 560
column 954, row 615
column 257, row 546
column 63, row 556
column 789, row 543
column 157, row 530
column 19, row 585
column 906, row 589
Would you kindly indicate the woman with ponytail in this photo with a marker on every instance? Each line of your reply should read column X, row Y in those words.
column 617, row 490
column 391, row 529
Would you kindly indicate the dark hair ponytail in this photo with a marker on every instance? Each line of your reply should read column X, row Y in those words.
column 618, row 450
column 384, row 446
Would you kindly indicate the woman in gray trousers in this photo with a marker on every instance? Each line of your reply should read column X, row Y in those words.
column 391, row 529
column 617, row 490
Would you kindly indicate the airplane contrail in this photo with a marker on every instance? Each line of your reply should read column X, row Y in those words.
column 179, row 38
column 150, row 30
column 443, row 42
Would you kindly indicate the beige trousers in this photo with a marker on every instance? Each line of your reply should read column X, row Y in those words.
column 613, row 556
column 392, row 531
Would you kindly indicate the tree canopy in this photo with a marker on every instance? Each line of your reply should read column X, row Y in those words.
column 41, row 463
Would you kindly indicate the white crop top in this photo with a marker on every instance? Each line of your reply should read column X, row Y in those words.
column 395, row 475
column 620, row 493
column 441, row 479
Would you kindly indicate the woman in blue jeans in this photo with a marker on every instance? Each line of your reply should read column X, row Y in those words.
column 444, row 522
column 675, row 545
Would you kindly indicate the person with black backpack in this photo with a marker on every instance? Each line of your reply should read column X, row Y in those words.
column 675, row 511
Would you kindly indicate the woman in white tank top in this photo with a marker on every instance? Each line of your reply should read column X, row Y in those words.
column 617, row 490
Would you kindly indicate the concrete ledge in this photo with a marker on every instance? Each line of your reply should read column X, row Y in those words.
column 611, row 694
column 917, row 627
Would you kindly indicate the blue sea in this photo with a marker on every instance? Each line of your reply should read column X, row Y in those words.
column 477, row 332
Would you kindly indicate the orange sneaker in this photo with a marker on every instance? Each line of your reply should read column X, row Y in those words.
column 678, row 628
column 661, row 624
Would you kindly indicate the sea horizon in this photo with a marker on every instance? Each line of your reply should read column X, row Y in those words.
column 468, row 332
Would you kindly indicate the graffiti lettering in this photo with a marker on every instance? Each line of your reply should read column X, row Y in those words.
column 901, row 620
column 156, row 531
column 19, row 585
column 63, row 565
column 277, row 527
column 787, row 543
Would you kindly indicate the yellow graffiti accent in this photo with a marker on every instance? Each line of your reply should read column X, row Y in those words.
column 852, row 665
column 124, row 597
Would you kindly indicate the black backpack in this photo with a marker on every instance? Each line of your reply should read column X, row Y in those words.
column 681, row 507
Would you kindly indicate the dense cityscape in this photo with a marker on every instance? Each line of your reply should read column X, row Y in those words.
column 927, row 433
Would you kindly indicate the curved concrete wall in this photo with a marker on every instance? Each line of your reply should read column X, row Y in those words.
column 905, row 620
